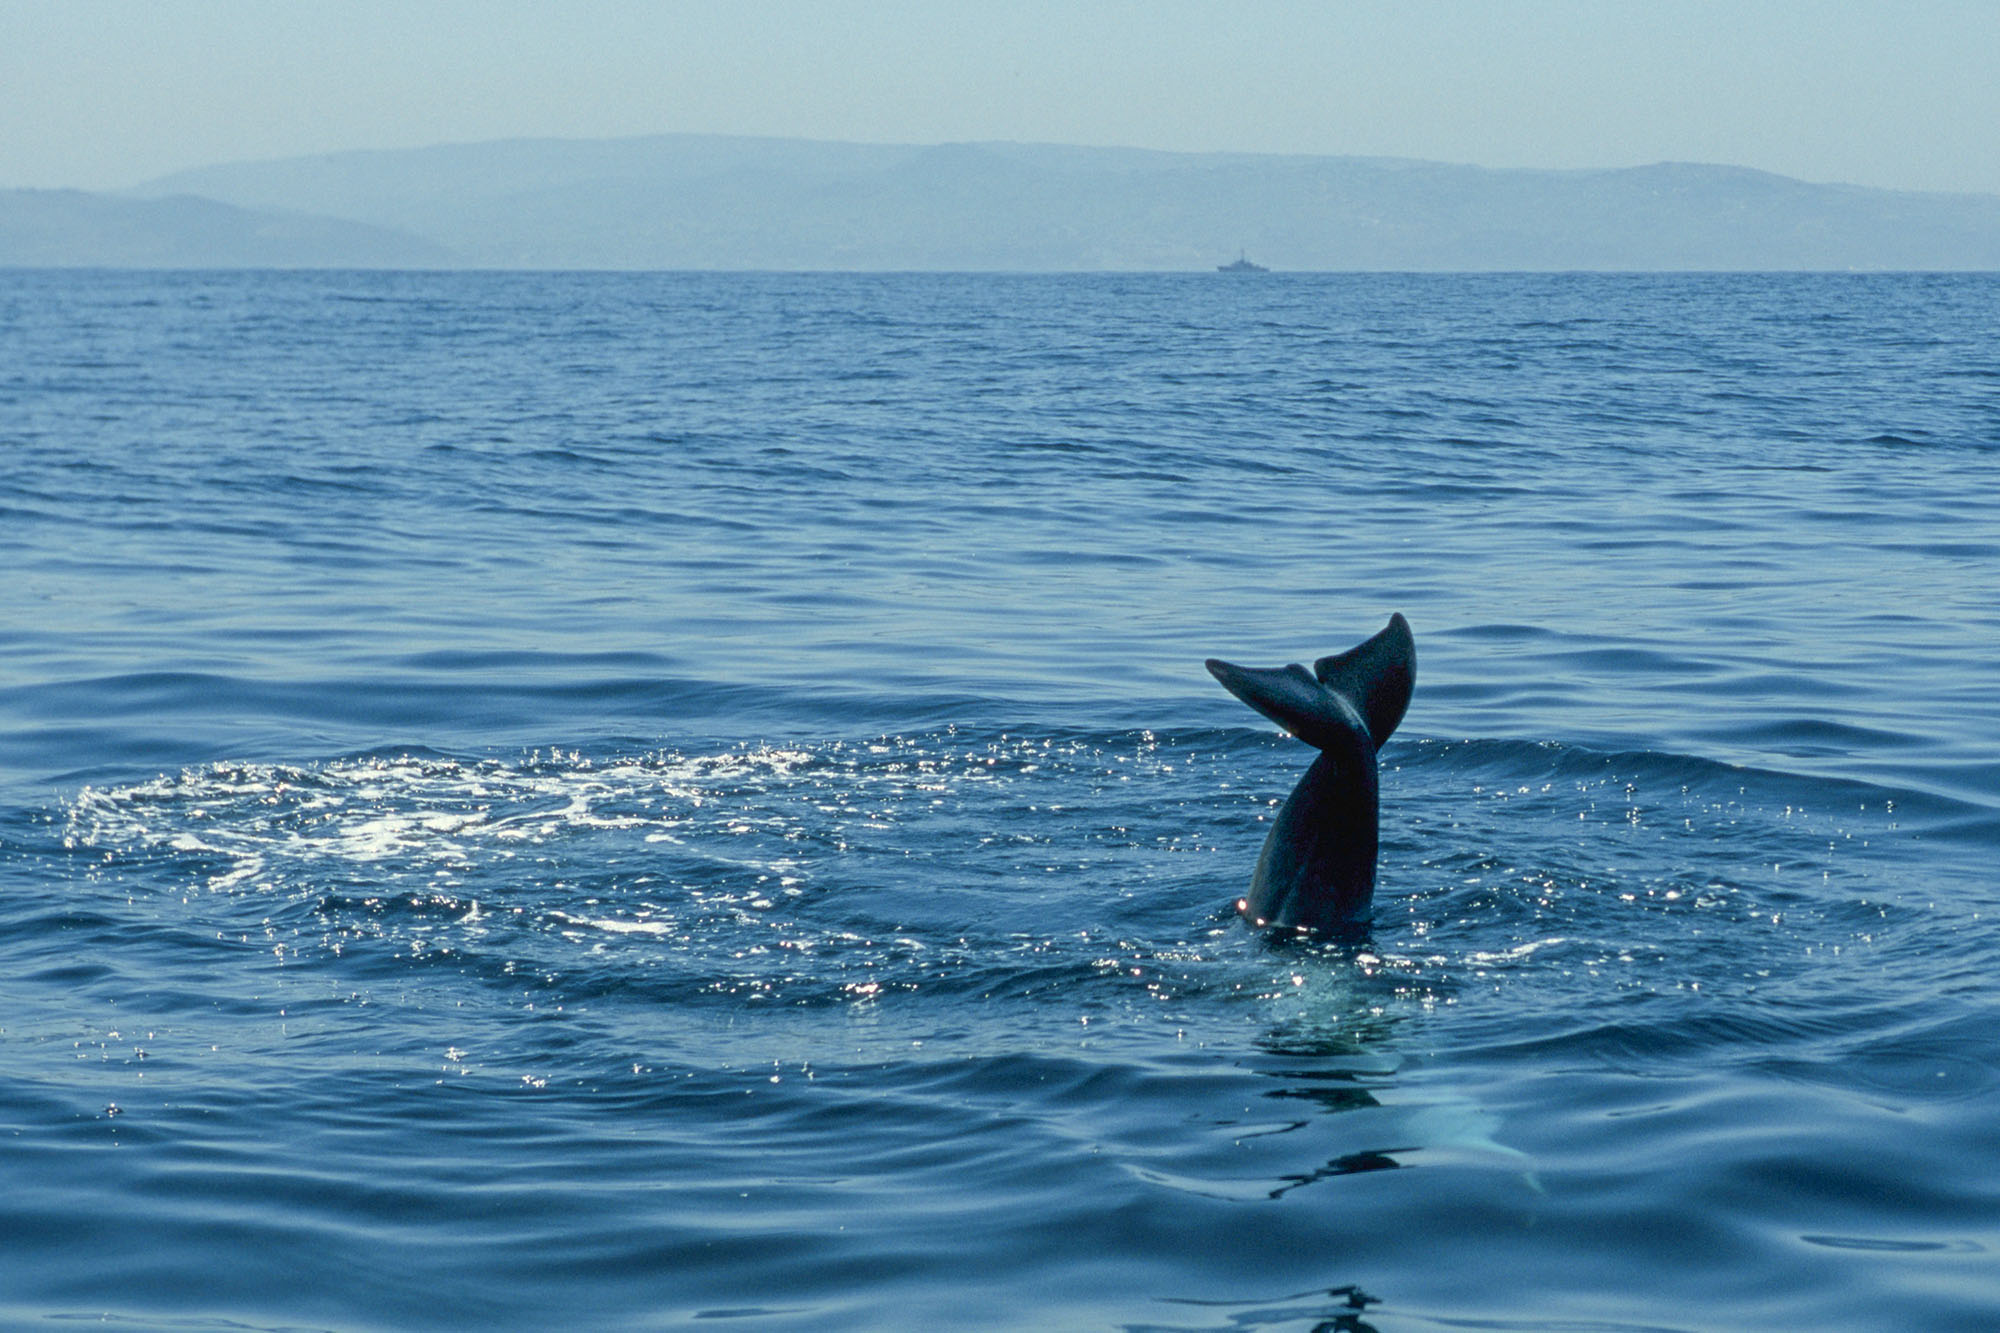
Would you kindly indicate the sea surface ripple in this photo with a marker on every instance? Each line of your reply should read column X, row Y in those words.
column 631, row 800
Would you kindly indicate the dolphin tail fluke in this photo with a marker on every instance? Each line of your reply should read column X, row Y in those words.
column 1365, row 688
column 1376, row 677
column 1290, row 697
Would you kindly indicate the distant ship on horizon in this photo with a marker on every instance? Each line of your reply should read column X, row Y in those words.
column 1242, row 265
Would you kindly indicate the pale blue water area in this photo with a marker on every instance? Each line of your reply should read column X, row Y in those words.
column 622, row 801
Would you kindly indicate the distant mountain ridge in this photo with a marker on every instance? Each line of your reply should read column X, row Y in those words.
column 721, row 202
column 72, row 228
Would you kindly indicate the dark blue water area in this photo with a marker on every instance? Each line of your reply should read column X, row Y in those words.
column 627, row 801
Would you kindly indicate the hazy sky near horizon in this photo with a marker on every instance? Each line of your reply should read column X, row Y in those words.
column 1904, row 93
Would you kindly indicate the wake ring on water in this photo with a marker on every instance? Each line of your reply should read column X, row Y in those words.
column 1003, row 864
column 832, row 872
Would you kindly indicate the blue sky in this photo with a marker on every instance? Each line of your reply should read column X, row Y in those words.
column 1904, row 93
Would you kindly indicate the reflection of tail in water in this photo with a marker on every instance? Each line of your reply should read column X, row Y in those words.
column 1461, row 1129
column 1458, row 1131
column 1351, row 1164
column 1344, row 1076
column 1451, row 1130
column 1334, row 1309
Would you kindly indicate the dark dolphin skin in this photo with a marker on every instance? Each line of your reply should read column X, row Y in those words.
column 1317, row 869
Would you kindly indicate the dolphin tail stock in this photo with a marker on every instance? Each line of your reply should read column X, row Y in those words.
column 1317, row 869
column 1365, row 688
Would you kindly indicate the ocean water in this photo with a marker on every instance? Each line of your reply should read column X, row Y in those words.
column 625, row 801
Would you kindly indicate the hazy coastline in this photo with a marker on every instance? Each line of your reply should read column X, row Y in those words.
column 732, row 202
